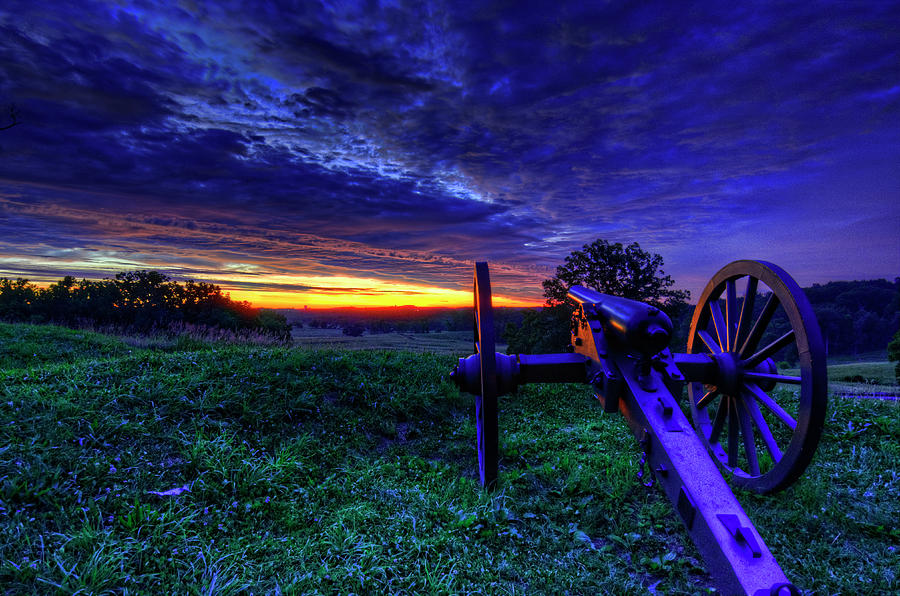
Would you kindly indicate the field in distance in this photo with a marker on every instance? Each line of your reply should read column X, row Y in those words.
column 442, row 342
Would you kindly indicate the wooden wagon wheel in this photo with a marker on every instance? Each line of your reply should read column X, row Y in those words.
column 486, row 403
column 759, row 424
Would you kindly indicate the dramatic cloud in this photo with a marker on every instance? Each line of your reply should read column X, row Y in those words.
column 278, row 146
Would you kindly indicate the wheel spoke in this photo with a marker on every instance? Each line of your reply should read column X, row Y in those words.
column 764, row 431
column 759, row 327
column 718, row 322
column 708, row 397
column 733, row 433
column 759, row 422
column 730, row 323
column 769, row 350
column 772, row 405
column 710, row 342
column 773, row 377
column 719, row 422
column 747, row 432
column 746, row 309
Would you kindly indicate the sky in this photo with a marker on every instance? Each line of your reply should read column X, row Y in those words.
column 367, row 153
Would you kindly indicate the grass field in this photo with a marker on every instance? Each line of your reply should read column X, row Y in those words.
column 859, row 378
column 444, row 342
column 242, row 469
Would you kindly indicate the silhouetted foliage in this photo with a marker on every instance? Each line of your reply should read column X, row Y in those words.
column 856, row 316
column 893, row 350
column 542, row 331
column 134, row 301
column 626, row 271
column 354, row 329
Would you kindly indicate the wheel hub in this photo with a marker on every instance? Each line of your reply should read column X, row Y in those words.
column 768, row 367
column 729, row 378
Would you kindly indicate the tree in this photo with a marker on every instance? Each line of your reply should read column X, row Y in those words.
column 893, row 350
column 17, row 299
column 629, row 272
column 274, row 324
column 354, row 329
column 542, row 331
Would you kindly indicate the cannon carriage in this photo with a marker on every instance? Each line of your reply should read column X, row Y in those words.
column 741, row 425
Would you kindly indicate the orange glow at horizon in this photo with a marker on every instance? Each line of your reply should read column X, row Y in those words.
column 438, row 297
column 323, row 291
column 338, row 291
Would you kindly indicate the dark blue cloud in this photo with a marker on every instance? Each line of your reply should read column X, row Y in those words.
column 402, row 140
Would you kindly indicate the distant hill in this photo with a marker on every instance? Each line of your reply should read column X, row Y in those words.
column 387, row 319
column 855, row 316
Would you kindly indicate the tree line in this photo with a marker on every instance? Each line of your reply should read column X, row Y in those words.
column 855, row 317
column 399, row 319
column 134, row 301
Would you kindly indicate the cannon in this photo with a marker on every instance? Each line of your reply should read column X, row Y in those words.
column 750, row 422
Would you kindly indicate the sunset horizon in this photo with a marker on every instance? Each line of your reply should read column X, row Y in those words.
column 329, row 298
column 319, row 155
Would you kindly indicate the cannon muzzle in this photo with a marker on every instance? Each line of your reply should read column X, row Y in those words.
column 636, row 326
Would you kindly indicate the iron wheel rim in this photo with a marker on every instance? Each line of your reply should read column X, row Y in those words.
column 486, row 418
column 744, row 409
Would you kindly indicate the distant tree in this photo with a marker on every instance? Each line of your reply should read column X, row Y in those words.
column 135, row 301
column 274, row 323
column 17, row 299
column 835, row 327
column 893, row 350
column 856, row 316
column 150, row 298
column 55, row 302
column 96, row 301
column 380, row 326
column 626, row 271
column 545, row 330
column 354, row 329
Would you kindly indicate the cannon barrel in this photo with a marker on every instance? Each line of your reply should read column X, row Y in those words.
column 620, row 350
column 634, row 325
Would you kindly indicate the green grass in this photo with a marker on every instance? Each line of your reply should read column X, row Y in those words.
column 236, row 469
column 871, row 373
column 871, row 356
column 443, row 342
column 23, row 346
column 859, row 378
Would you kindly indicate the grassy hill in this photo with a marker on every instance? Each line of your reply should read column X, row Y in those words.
column 180, row 468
